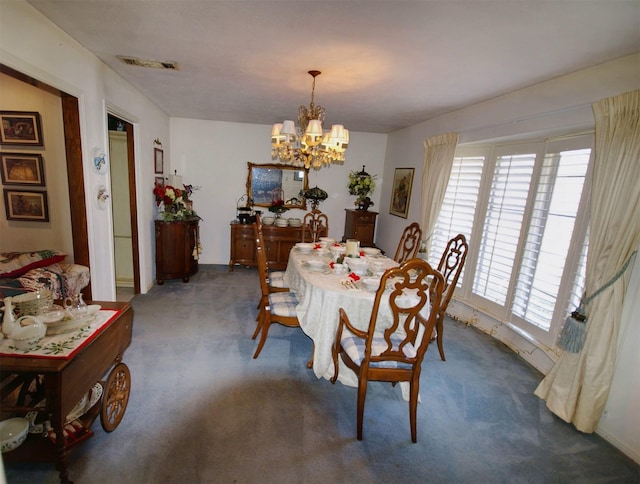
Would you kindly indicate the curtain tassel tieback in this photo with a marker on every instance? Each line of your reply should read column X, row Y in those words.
column 574, row 332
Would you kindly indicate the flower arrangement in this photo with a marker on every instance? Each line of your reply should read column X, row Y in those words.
column 175, row 202
column 278, row 206
column 361, row 184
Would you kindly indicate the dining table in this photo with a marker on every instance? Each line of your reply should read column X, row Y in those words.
column 321, row 292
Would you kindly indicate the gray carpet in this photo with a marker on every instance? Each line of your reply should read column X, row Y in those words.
column 203, row 411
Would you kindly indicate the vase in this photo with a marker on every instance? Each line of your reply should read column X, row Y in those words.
column 364, row 204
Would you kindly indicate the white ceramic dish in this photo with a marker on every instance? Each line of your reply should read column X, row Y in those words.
column 53, row 314
column 370, row 251
column 370, row 283
column 357, row 265
column 268, row 221
column 339, row 268
column 85, row 404
column 328, row 240
column 316, row 264
column 68, row 324
column 305, row 247
column 338, row 249
column 13, row 433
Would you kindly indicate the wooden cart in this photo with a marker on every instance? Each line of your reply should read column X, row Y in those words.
column 62, row 383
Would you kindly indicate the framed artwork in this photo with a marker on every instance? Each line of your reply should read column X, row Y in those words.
column 26, row 205
column 20, row 128
column 159, row 181
column 158, row 157
column 21, row 169
column 401, row 192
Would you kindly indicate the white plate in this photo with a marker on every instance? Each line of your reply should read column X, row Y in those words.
column 370, row 283
column 316, row 265
column 67, row 325
column 85, row 404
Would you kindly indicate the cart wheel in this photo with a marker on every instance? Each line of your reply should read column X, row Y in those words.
column 116, row 397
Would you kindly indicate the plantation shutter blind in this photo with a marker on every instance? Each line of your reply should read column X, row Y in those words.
column 549, row 236
column 502, row 225
column 459, row 206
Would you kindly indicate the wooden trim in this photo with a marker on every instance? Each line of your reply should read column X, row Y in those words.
column 75, row 175
column 133, row 207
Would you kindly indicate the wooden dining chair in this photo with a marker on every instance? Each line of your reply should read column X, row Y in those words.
column 275, row 307
column 275, row 279
column 450, row 267
column 409, row 243
column 314, row 225
column 394, row 353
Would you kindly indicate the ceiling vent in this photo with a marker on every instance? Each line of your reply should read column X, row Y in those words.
column 153, row 64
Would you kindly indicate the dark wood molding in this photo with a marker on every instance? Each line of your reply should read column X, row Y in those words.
column 133, row 204
column 75, row 175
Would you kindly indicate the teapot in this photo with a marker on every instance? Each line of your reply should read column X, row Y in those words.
column 75, row 305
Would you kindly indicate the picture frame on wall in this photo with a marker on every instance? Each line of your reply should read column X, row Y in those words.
column 20, row 128
column 401, row 192
column 159, row 181
column 158, row 157
column 22, row 169
column 26, row 205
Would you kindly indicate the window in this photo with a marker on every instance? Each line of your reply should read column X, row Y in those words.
column 522, row 208
column 458, row 209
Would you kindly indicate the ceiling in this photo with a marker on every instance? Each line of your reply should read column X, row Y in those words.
column 385, row 64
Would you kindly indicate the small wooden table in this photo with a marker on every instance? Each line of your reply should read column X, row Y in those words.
column 66, row 381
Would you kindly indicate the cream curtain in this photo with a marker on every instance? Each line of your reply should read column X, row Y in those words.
column 438, row 159
column 577, row 387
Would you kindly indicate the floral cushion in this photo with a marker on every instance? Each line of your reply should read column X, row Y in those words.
column 62, row 280
column 15, row 264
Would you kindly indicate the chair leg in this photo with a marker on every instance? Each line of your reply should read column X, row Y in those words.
column 266, row 322
column 440, row 330
column 313, row 352
column 413, row 408
column 334, row 357
column 362, row 395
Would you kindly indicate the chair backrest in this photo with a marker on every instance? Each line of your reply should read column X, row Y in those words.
column 450, row 266
column 314, row 225
column 414, row 289
column 409, row 243
column 261, row 260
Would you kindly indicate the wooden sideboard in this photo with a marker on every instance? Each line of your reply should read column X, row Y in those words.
column 278, row 242
column 175, row 243
column 360, row 225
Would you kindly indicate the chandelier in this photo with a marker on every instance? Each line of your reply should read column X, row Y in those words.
column 307, row 145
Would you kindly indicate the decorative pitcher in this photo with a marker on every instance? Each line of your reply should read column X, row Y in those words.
column 9, row 322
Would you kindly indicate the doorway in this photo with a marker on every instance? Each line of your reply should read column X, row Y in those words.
column 124, row 207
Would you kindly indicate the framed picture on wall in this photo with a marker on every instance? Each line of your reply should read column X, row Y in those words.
column 159, row 181
column 20, row 128
column 158, row 156
column 401, row 192
column 26, row 205
column 21, row 169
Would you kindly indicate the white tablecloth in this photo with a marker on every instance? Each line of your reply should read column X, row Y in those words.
column 320, row 295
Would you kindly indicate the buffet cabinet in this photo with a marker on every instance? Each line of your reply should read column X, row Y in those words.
column 360, row 225
column 176, row 249
column 278, row 241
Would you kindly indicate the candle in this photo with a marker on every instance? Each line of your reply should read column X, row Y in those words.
column 353, row 248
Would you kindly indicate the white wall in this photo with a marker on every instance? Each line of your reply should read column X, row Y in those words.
column 560, row 105
column 16, row 95
column 213, row 155
column 53, row 57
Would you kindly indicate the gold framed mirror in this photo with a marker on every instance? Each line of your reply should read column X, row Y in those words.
column 270, row 181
